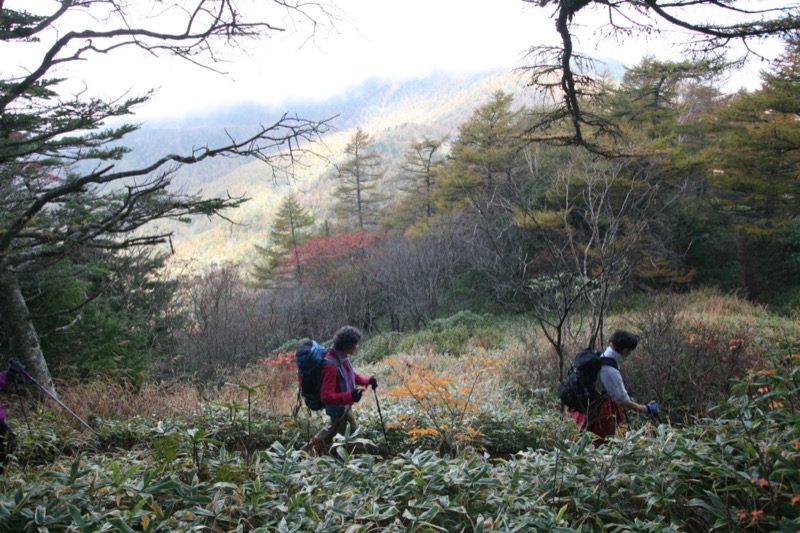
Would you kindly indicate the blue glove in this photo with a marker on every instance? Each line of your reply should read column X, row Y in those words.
column 651, row 408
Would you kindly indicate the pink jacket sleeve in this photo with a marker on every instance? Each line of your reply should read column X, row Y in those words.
column 329, row 393
column 361, row 380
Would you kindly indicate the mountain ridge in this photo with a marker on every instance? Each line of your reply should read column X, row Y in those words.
column 393, row 112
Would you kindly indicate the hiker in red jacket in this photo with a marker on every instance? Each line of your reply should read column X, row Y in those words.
column 340, row 388
column 609, row 395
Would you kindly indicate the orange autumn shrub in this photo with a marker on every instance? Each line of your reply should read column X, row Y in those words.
column 444, row 403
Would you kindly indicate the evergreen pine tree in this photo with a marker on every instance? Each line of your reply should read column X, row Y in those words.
column 484, row 157
column 357, row 194
column 280, row 262
column 419, row 166
column 756, row 172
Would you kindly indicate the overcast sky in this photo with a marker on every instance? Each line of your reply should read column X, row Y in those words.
column 397, row 39
column 376, row 38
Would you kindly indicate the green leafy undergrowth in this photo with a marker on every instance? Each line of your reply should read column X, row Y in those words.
column 736, row 472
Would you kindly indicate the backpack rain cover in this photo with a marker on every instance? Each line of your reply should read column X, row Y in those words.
column 309, row 358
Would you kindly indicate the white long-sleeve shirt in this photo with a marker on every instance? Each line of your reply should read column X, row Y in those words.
column 609, row 379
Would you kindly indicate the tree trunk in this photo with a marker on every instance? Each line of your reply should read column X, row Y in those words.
column 749, row 268
column 19, row 328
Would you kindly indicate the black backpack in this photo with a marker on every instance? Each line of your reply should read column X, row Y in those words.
column 576, row 389
column 309, row 358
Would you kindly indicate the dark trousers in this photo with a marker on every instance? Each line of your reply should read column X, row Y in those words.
column 7, row 444
column 337, row 425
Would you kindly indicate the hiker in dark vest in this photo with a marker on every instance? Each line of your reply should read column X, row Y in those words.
column 340, row 388
column 7, row 437
column 609, row 395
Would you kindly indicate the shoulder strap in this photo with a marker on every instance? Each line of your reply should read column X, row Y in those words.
column 333, row 361
column 608, row 361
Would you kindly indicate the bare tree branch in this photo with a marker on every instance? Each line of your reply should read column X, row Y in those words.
column 712, row 27
column 61, row 192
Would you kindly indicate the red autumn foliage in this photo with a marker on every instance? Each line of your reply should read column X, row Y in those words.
column 328, row 257
column 282, row 359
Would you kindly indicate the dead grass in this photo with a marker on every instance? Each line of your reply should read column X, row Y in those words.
column 712, row 305
column 118, row 401
column 275, row 386
column 112, row 400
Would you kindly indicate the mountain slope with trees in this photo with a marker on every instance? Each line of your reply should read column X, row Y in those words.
column 488, row 218
column 393, row 113
column 485, row 257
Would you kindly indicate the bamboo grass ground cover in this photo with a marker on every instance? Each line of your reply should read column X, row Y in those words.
column 736, row 472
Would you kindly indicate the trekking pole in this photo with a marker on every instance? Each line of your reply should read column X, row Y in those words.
column 298, row 405
column 383, row 426
column 59, row 402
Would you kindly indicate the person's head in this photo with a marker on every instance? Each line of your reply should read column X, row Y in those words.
column 346, row 339
column 623, row 341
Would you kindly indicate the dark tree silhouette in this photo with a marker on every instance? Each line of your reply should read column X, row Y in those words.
column 709, row 29
column 61, row 192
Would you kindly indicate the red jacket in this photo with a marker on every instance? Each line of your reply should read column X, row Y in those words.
column 603, row 418
column 332, row 392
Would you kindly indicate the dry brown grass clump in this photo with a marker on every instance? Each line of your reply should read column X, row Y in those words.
column 274, row 386
column 113, row 400
column 712, row 305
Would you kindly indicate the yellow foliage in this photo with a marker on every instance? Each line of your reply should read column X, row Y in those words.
column 540, row 220
column 661, row 268
column 417, row 433
column 469, row 434
column 444, row 401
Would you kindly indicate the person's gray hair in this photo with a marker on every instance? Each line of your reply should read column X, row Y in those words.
column 346, row 338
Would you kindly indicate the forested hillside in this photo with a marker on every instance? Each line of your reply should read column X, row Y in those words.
column 394, row 112
column 429, row 198
column 455, row 241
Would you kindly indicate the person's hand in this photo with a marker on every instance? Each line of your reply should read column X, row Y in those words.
column 373, row 382
column 15, row 368
column 651, row 408
column 15, row 365
column 357, row 393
